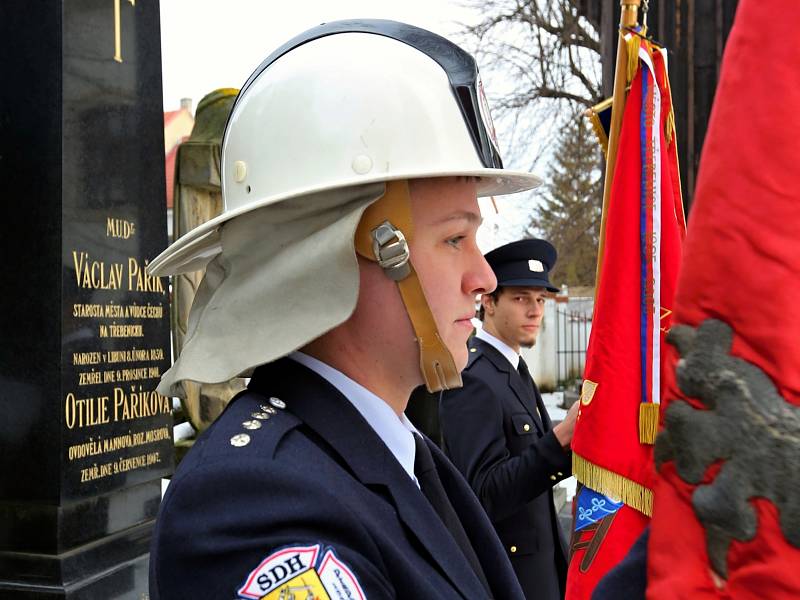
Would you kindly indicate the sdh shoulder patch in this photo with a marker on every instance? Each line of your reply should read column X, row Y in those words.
column 301, row 573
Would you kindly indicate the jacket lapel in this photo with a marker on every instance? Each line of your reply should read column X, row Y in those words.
column 528, row 401
column 331, row 416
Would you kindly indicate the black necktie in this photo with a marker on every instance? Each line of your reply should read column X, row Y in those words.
column 522, row 367
column 432, row 488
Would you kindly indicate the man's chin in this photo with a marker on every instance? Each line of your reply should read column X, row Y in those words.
column 460, row 358
column 460, row 354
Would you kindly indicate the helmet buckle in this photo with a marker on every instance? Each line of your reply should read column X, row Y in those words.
column 391, row 251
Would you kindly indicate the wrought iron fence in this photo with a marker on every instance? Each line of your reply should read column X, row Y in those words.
column 573, row 325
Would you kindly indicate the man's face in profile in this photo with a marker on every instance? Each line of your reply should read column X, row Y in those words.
column 445, row 254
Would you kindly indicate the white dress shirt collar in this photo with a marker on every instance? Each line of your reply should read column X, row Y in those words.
column 396, row 432
column 501, row 346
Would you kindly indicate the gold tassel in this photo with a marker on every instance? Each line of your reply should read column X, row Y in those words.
column 593, row 114
column 633, row 56
column 613, row 485
column 648, row 422
column 669, row 127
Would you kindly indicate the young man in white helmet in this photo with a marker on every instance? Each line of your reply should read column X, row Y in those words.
column 341, row 275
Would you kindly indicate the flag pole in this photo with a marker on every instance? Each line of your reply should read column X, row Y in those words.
column 629, row 16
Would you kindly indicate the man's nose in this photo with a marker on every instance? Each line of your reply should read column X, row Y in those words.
column 535, row 309
column 479, row 278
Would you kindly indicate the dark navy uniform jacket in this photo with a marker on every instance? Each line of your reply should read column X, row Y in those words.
column 314, row 473
column 629, row 578
column 493, row 433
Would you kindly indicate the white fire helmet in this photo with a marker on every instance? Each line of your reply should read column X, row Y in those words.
column 343, row 105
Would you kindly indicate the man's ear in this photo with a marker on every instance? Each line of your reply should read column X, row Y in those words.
column 488, row 303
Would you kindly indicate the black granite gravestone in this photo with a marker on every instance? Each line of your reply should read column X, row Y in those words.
column 84, row 331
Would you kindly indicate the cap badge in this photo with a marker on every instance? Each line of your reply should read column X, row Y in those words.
column 536, row 265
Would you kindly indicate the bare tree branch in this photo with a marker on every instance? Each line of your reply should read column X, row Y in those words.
column 543, row 59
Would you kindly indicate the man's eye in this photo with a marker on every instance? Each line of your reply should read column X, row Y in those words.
column 455, row 241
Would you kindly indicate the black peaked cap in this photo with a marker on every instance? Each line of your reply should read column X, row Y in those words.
column 524, row 263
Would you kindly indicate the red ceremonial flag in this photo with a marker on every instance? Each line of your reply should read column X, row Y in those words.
column 641, row 249
column 726, row 520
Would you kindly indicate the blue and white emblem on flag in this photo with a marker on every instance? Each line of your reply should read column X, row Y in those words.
column 592, row 506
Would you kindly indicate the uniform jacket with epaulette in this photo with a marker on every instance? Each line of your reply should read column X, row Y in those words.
column 315, row 474
column 497, row 432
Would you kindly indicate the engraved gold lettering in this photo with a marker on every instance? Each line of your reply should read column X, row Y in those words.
column 90, row 378
column 125, row 331
column 129, row 464
column 95, row 447
column 118, row 30
column 147, row 311
column 140, row 280
column 85, row 412
column 86, row 358
column 114, row 311
column 87, row 310
column 96, row 275
column 120, row 228
column 138, row 403
column 69, row 410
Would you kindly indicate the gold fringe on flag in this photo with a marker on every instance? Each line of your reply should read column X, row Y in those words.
column 648, row 422
column 633, row 56
column 593, row 114
column 613, row 484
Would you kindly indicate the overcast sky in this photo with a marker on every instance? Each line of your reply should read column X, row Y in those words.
column 210, row 44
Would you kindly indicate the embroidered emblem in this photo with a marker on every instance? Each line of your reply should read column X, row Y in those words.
column 596, row 533
column 536, row 266
column 303, row 587
column 587, row 391
column 301, row 573
column 593, row 506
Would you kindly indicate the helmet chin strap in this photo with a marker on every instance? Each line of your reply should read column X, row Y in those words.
column 382, row 236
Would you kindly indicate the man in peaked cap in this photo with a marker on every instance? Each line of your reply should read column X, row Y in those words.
column 341, row 275
column 496, row 429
